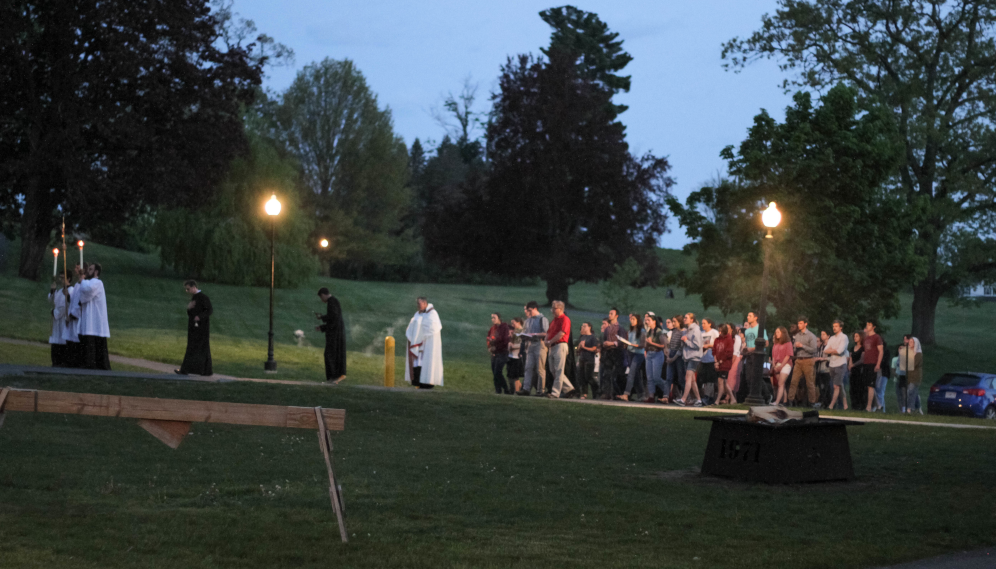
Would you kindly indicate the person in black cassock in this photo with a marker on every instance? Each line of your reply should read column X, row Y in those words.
column 197, row 360
column 335, row 337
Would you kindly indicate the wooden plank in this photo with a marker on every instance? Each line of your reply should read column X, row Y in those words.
column 172, row 409
column 169, row 432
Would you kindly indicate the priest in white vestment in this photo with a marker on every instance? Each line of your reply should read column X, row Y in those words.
column 94, row 330
column 57, row 299
column 424, row 354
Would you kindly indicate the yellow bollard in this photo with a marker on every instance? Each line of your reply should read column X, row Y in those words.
column 389, row 362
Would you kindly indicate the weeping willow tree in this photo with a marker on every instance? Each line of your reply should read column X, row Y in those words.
column 229, row 241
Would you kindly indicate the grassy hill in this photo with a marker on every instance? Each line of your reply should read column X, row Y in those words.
column 147, row 318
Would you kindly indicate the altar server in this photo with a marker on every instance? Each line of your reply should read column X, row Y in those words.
column 57, row 297
column 424, row 355
column 94, row 330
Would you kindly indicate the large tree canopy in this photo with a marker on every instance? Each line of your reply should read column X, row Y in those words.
column 933, row 64
column 354, row 164
column 842, row 249
column 108, row 106
column 563, row 178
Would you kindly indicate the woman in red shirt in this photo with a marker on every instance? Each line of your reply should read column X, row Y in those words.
column 781, row 364
column 722, row 351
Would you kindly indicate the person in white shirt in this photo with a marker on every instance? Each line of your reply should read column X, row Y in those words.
column 836, row 350
column 58, row 296
column 424, row 356
column 94, row 330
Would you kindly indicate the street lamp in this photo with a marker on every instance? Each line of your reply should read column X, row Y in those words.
column 755, row 367
column 324, row 243
column 272, row 208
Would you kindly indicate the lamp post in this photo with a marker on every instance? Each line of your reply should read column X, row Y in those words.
column 272, row 209
column 755, row 368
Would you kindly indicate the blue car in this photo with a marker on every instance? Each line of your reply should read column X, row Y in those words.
column 964, row 393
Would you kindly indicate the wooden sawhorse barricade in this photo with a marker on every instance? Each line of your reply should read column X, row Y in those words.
column 169, row 419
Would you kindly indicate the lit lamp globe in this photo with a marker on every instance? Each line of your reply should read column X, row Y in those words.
column 273, row 206
column 771, row 217
column 324, row 243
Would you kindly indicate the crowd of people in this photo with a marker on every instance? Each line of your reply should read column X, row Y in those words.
column 683, row 360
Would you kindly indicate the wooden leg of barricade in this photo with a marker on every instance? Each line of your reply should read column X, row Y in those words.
column 335, row 493
column 3, row 399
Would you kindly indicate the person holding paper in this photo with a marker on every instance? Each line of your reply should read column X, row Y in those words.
column 424, row 355
column 197, row 359
column 536, row 349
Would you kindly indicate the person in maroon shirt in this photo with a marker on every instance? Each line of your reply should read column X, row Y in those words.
column 871, row 361
column 498, row 338
column 556, row 340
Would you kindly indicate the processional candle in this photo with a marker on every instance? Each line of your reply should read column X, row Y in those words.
column 55, row 261
column 80, row 245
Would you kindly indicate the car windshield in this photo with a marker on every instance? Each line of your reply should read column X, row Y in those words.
column 957, row 380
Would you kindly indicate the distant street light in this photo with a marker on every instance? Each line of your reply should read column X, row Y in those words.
column 272, row 208
column 324, row 243
column 755, row 367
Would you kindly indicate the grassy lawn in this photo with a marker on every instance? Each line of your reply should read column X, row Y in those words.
column 464, row 480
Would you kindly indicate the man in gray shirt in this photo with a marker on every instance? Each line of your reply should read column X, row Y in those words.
column 805, row 347
column 535, row 329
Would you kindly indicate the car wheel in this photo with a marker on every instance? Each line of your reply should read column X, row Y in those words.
column 990, row 413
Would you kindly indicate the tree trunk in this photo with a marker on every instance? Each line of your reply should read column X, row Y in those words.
column 557, row 289
column 925, row 298
column 36, row 229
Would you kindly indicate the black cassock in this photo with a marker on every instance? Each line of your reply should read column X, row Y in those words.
column 197, row 360
column 335, row 340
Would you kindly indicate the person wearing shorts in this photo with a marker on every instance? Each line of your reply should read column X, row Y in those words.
column 836, row 352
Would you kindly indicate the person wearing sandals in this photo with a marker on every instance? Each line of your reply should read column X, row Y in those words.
column 781, row 364
column 656, row 343
column 637, row 338
column 692, row 353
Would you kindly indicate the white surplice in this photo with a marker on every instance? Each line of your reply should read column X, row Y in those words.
column 58, row 301
column 427, row 346
column 93, row 301
column 71, row 331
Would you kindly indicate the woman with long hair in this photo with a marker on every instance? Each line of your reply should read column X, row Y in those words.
column 781, row 363
column 733, row 378
column 638, row 339
column 722, row 351
column 654, row 354
column 675, row 361
column 858, row 395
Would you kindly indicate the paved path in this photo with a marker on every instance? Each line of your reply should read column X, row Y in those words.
column 979, row 559
column 166, row 373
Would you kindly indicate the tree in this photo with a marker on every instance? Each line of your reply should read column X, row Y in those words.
column 599, row 52
column 842, row 249
column 354, row 164
column 228, row 239
column 112, row 107
column 933, row 64
column 563, row 179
